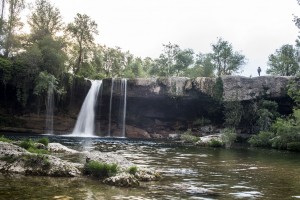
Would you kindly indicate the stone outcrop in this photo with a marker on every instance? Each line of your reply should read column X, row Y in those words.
column 241, row 88
column 14, row 159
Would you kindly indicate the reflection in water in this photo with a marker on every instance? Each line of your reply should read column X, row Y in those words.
column 189, row 173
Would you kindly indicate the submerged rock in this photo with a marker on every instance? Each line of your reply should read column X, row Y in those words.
column 122, row 180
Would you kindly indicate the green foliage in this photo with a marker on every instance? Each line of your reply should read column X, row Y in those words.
column 30, row 146
column 228, row 137
column 225, row 60
column 44, row 20
column 218, row 89
column 26, row 144
column 188, row 137
column 4, row 139
column 132, row 170
column 44, row 141
column 284, row 62
column 215, row 143
column 294, row 90
column 233, row 111
column 82, row 30
column 267, row 113
column 293, row 146
column 263, row 139
column 282, row 132
column 43, row 82
column 5, row 70
column 100, row 170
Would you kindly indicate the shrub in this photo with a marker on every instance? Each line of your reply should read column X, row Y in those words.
column 37, row 151
column 293, row 146
column 215, row 143
column 132, row 170
column 44, row 141
column 188, row 137
column 100, row 170
column 263, row 139
column 228, row 137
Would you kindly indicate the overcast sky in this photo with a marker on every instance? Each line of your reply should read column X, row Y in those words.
column 254, row 27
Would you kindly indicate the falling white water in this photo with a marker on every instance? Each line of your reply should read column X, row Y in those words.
column 123, row 98
column 86, row 119
column 110, row 106
column 49, row 110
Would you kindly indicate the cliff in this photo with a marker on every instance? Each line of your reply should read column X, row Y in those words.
column 156, row 107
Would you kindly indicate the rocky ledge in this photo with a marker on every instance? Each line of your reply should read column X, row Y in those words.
column 234, row 87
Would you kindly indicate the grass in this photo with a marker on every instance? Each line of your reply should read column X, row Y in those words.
column 30, row 146
column 4, row 139
column 100, row 170
column 44, row 141
column 132, row 170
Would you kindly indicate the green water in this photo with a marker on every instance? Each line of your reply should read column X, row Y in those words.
column 240, row 173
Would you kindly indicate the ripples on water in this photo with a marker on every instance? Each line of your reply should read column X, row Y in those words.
column 189, row 173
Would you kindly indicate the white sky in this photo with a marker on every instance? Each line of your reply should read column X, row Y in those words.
column 254, row 27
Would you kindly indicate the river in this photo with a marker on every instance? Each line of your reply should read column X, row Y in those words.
column 188, row 173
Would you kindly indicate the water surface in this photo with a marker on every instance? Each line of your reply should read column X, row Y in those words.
column 188, row 173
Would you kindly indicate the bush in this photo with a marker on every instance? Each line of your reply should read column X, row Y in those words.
column 228, row 137
column 100, row 170
column 215, row 143
column 44, row 141
column 132, row 170
column 293, row 146
column 188, row 137
column 263, row 139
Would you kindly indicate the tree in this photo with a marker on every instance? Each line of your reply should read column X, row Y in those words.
column 183, row 59
column 82, row 30
column 203, row 67
column 225, row 60
column 13, row 23
column 2, row 16
column 45, row 20
column 284, row 61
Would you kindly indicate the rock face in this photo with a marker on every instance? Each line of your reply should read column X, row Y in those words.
column 241, row 88
column 156, row 107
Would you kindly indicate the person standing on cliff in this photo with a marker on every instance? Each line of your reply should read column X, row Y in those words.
column 258, row 71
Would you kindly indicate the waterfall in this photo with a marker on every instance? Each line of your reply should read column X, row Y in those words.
column 49, row 110
column 123, row 101
column 86, row 120
column 121, row 87
column 110, row 106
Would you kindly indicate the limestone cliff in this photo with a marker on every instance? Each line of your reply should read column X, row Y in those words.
column 159, row 106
